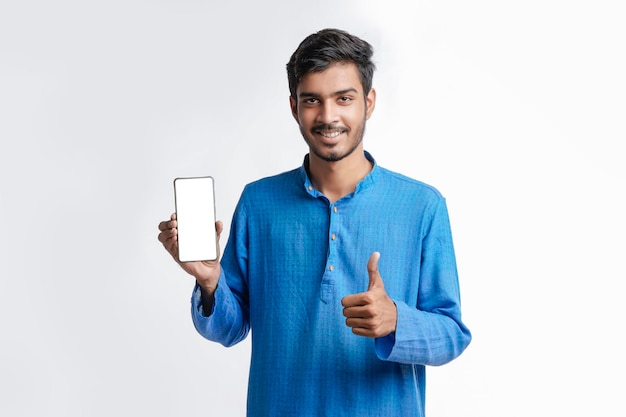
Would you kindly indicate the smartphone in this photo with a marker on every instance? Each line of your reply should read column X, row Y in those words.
column 194, row 198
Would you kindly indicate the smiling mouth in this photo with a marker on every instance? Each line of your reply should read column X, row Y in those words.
column 329, row 133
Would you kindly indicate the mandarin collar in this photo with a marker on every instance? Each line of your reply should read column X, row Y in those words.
column 364, row 184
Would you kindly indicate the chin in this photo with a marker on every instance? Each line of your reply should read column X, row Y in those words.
column 332, row 156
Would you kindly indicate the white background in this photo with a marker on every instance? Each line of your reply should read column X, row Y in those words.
column 513, row 110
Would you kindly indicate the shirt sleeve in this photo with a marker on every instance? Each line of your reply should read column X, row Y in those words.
column 430, row 332
column 229, row 320
column 226, row 324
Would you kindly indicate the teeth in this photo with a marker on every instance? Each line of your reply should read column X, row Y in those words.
column 332, row 134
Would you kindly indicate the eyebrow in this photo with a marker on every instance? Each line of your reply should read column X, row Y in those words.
column 305, row 94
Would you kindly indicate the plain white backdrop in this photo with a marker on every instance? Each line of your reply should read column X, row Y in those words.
column 515, row 111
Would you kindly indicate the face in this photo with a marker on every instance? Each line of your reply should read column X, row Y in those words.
column 331, row 111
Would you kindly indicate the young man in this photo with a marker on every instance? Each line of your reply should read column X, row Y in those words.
column 344, row 271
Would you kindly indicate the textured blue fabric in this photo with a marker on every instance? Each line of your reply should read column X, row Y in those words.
column 290, row 258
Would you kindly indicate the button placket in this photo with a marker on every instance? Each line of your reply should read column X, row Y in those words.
column 328, row 282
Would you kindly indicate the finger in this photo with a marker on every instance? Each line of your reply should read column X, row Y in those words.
column 164, row 235
column 352, row 300
column 358, row 312
column 363, row 327
column 364, row 331
column 168, row 239
column 171, row 245
column 168, row 224
column 169, row 234
column 362, row 323
column 372, row 269
column 164, row 225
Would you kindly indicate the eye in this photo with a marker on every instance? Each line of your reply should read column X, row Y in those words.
column 345, row 99
column 311, row 100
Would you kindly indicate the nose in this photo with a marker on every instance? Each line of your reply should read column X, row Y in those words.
column 328, row 112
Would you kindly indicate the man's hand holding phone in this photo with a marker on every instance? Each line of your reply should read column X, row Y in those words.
column 207, row 273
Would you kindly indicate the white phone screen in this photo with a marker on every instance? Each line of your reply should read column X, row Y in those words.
column 195, row 214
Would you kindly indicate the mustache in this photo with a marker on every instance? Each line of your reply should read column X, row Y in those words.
column 324, row 126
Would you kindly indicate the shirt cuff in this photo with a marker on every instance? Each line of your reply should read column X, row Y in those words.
column 384, row 345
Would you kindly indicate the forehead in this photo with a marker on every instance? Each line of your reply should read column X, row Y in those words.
column 341, row 76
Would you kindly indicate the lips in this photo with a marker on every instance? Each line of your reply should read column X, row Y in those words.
column 329, row 132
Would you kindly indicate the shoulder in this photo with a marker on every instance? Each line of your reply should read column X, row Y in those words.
column 397, row 182
column 273, row 196
column 274, row 182
column 275, row 189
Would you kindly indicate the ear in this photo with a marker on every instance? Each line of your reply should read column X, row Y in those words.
column 370, row 103
column 294, row 108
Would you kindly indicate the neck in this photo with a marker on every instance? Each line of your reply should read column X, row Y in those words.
column 340, row 178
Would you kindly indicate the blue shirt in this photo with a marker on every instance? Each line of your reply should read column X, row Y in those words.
column 292, row 255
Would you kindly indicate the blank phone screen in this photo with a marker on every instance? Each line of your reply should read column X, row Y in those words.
column 195, row 214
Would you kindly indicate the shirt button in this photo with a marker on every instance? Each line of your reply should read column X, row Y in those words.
column 331, row 267
column 335, row 209
column 310, row 188
column 333, row 236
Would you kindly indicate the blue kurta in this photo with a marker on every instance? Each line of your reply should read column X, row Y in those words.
column 292, row 255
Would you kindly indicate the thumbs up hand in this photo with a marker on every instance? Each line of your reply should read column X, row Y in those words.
column 371, row 313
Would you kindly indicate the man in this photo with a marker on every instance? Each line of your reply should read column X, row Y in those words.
column 344, row 271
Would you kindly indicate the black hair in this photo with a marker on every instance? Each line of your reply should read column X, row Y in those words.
column 326, row 47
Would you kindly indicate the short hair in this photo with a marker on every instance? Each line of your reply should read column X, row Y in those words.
column 329, row 46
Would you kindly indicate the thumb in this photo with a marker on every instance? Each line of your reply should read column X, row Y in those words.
column 372, row 270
